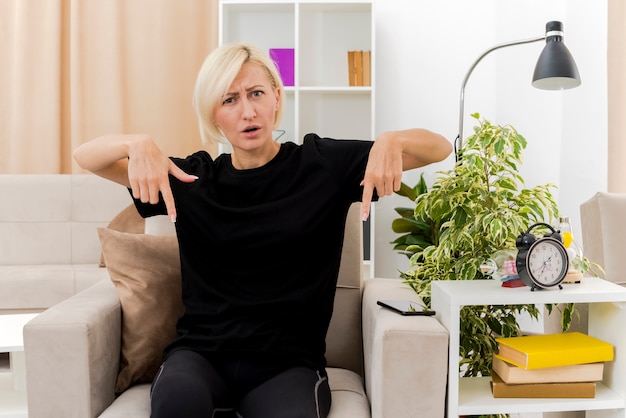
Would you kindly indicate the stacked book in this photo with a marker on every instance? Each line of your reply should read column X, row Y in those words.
column 564, row 365
column 359, row 68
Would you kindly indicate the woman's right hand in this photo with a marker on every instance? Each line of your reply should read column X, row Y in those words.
column 148, row 174
column 134, row 161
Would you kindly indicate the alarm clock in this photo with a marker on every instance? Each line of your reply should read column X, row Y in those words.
column 541, row 262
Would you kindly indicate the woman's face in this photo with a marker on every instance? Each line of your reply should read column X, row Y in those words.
column 247, row 112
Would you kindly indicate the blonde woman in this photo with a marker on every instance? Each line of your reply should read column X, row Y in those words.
column 260, row 232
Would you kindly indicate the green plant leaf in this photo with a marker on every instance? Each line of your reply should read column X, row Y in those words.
column 401, row 225
column 405, row 212
column 407, row 191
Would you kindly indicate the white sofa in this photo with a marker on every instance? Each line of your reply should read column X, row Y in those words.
column 49, row 248
column 396, row 366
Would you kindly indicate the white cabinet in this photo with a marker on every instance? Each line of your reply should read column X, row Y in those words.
column 321, row 33
column 607, row 317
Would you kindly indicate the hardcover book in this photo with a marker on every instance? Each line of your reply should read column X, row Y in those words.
column 284, row 59
column 509, row 373
column 358, row 57
column 359, row 68
column 351, row 68
column 553, row 350
column 542, row 390
column 367, row 71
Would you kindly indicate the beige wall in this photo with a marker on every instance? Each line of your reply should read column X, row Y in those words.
column 73, row 70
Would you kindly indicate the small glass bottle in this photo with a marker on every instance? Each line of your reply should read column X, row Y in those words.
column 574, row 250
column 501, row 265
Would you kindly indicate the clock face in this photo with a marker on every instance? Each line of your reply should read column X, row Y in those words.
column 547, row 262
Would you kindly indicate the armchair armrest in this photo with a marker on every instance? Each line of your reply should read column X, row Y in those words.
column 406, row 357
column 72, row 355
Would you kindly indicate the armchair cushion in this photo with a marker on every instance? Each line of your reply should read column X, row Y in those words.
column 145, row 270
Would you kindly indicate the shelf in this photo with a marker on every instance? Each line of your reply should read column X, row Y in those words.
column 607, row 313
column 475, row 398
column 321, row 32
column 490, row 292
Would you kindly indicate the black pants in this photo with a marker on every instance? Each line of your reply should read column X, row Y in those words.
column 189, row 385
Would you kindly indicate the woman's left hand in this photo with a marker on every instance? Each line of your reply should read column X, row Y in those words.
column 394, row 152
column 383, row 172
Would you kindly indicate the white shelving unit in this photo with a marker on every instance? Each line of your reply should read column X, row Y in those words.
column 321, row 33
column 607, row 317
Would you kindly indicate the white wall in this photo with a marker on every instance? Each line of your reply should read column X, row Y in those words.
column 424, row 48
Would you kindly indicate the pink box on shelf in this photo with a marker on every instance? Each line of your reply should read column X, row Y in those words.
column 284, row 59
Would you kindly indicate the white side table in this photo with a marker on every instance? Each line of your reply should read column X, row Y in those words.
column 607, row 321
column 13, row 384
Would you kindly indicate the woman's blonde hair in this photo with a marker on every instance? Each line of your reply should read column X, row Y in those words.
column 216, row 75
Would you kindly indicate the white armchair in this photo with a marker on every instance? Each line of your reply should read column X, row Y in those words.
column 603, row 232
column 380, row 364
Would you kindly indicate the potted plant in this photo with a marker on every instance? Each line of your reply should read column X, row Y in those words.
column 470, row 213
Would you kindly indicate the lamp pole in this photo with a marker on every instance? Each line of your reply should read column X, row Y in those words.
column 459, row 138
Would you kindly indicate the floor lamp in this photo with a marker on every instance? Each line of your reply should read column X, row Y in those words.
column 555, row 69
